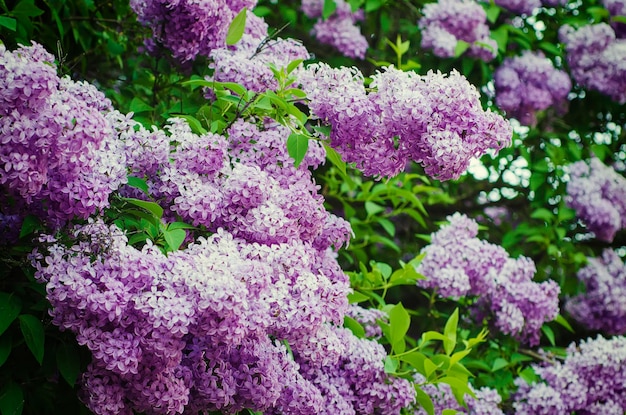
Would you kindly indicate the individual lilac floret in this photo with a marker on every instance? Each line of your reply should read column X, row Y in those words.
column 590, row 381
column 434, row 120
column 339, row 30
column 189, row 28
column 617, row 8
column 529, row 83
column 458, row 264
column 60, row 155
column 447, row 22
column 247, row 62
column 526, row 7
column 598, row 194
column 487, row 400
column 596, row 59
column 602, row 305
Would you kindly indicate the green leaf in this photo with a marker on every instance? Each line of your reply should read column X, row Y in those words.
column 458, row 385
column 498, row 364
column 543, row 214
column 236, row 28
column 26, row 8
column 528, row 375
column 138, row 106
column 174, row 238
column 357, row 297
column 30, row 224
column 68, row 362
column 355, row 327
column 297, row 145
column 388, row 226
column 11, row 399
column 10, row 307
column 33, row 333
column 460, row 48
column 180, row 225
column 8, row 22
column 151, row 207
column 549, row 334
column 450, row 412
column 372, row 208
column 6, row 345
column 391, row 364
column 138, row 183
column 492, row 13
column 415, row 359
column 194, row 123
column 335, row 158
column 399, row 322
column 328, row 9
column 425, row 401
column 450, row 332
column 501, row 36
column 550, row 48
column 561, row 320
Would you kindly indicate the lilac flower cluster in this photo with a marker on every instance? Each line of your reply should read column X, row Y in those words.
column 598, row 194
column 204, row 328
column 447, row 22
column 434, row 120
column 339, row 30
column 601, row 306
column 590, row 381
column 60, row 156
column 487, row 400
column 596, row 59
column 247, row 62
column 189, row 28
column 529, row 83
column 458, row 264
column 526, row 7
column 617, row 8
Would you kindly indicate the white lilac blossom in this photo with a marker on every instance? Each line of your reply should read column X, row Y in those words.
column 597, row 59
column 247, row 62
column 486, row 402
column 526, row 7
column 458, row 264
column 529, row 83
column 602, row 306
column 434, row 120
column 189, row 28
column 598, row 195
column 60, row 156
column 590, row 381
column 447, row 22
column 339, row 30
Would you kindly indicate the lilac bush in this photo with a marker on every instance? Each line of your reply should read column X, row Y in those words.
column 446, row 22
column 458, row 264
column 590, row 381
column 61, row 156
column 529, row 83
column 601, row 306
column 434, row 120
column 598, row 194
column 338, row 30
column 596, row 59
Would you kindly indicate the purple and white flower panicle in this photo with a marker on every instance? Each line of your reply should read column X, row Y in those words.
column 591, row 380
column 60, row 154
column 598, row 194
column 339, row 30
column 447, row 22
column 529, row 83
column 596, row 58
column 434, row 120
column 459, row 264
column 602, row 305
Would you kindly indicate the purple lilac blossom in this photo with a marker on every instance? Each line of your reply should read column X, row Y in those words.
column 597, row 59
column 459, row 264
column 598, row 195
column 434, row 120
column 189, row 28
column 529, row 83
column 339, row 30
column 447, row 22
column 60, row 156
column 247, row 62
column 526, row 7
column 487, row 400
column 602, row 306
column 617, row 8
column 554, row 3
column 590, row 381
